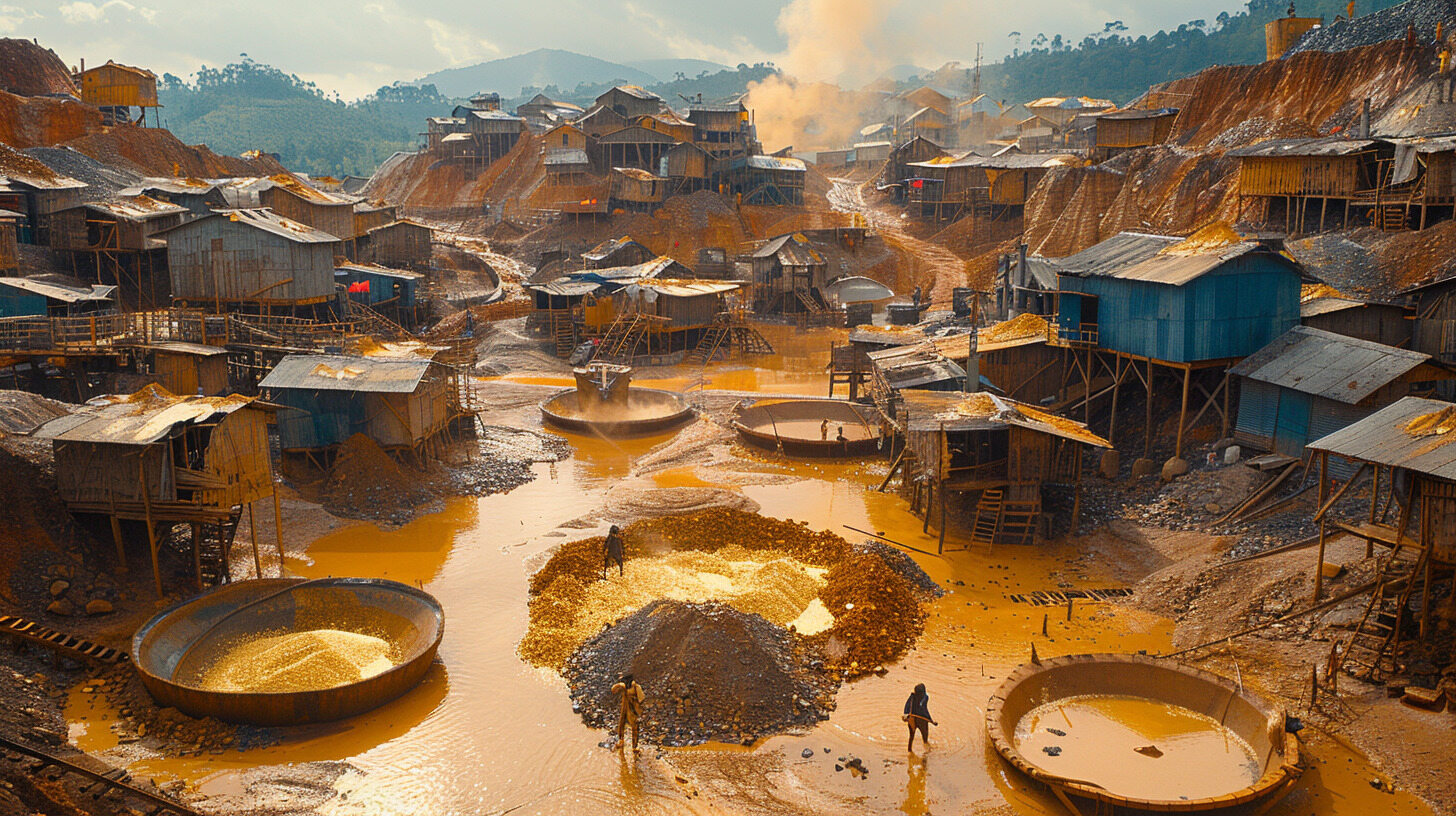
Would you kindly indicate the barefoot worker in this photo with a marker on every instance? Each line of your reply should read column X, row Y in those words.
column 612, row 551
column 632, row 695
column 917, row 715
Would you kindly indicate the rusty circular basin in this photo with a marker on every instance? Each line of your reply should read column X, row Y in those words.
column 794, row 426
column 1183, row 691
column 648, row 411
column 174, row 648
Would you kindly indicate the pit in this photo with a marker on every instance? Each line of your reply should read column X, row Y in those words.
column 285, row 651
column 1135, row 732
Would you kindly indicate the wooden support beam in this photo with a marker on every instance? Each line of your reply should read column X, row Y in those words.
column 253, row 534
column 1182, row 414
column 1319, row 564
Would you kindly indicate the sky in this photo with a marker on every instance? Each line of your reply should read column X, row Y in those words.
column 354, row 47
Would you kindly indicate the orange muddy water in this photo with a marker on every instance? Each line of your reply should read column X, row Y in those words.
column 487, row 733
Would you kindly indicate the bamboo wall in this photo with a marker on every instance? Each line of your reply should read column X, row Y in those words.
column 1329, row 176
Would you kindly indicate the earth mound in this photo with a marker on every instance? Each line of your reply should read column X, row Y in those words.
column 709, row 672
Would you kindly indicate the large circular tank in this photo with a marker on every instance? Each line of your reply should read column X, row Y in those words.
column 175, row 649
column 1167, row 705
column 606, row 403
column 796, row 426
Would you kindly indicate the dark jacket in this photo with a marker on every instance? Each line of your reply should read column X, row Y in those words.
column 613, row 546
column 918, row 707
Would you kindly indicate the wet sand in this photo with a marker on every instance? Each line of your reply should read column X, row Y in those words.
column 486, row 732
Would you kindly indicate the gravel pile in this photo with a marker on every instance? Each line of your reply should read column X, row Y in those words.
column 1388, row 24
column 903, row 565
column 103, row 181
column 709, row 672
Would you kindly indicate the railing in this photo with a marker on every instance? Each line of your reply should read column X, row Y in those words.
column 1084, row 335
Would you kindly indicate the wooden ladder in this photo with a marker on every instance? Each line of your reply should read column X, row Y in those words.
column 712, row 340
column 751, row 340
column 810, row 303
column 988, row 516
column 1019, row 520
column 623, row 336
column 1392, row 217
column 563, row 331
column 213, row 544
column 1369, row 651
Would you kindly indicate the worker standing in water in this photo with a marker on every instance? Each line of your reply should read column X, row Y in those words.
column 824, row 431
column 917, row 715
column 612, row 551
column 632, row 697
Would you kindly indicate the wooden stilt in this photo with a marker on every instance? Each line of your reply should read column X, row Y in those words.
column 1319, row 566
column 120, row 545
column 1374, row 500
column 1077, row 492
column 253, row 534
column 940, row 546
column 151, row 531
column 1148, row 423
column 197, row 553
column 1224, row 432
column 1116, row 382
column 1182, row 413
column 278, row 528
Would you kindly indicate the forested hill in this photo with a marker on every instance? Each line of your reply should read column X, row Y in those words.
column 1114, row 65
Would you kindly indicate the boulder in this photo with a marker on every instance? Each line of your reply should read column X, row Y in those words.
column 58, row 588
column 1109, row 464
column 99, row 606
column 61, row 607
column 1173, row 468
column 1143, row 467
column 1232, row 454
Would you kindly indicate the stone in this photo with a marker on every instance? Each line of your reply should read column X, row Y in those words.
column 61, row 607
column 1213, row 507
column 1224, row 444
column 1109, row 464
column 58, row 588
column 807, row 753
column 99, row 606
column 1143, row 467
column 1330, row 570
column 1173, row 468
column 1232, row 454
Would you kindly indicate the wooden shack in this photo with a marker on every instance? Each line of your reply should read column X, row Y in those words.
column 667, row 122
column 930, row 123
column 117, row 87
column 983, row 462
column 437, row 128
column 493, row 134
column 236, row 258
column 1120, row 131
column 635, row 147
column 1389, row 324
column 9, row 241
column 186, row 368
column 630, row 101
column 684, row 311
column 402, row 403
column 117, row 240
column 196, row 196
column 391, row 292
column 1412, row 510
column 993, row 186
column 54, row 296
column 1191, row 307
column 768, row 180
column 1017, row 356
column 724, row 131
column 566, row 137
column 34, row 191
column 617, row 252
column 371, row 214
column 567, row 166
column 899, row 165
column 689, row 168
column 402, row 244
column 163, row 460
column 1298, row 181
column 290, row 198
column 636, row 190
column 788, row 274
column 598, row 122
column 542, row 108
column 1310, row 383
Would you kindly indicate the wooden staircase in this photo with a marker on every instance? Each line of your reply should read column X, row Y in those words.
column 1019, row 520
column 810, row 303
column 623, row 337
column 713, row 339
column 210, row 550
column 750, row 340
column 375, row 324
column 563, row 333
column 988, row 516
column 1369, row 652
column 1392, row 217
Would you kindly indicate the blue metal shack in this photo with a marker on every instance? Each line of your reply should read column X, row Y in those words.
column 1176, row 300
column 394, row 287
column 1309, row 383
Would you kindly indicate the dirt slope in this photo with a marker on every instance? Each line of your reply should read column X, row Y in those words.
column 27, row 69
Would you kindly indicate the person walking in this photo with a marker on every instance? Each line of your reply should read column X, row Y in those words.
column 612, row 551
column 824, row 431
column 917, row 715
column 632, row 697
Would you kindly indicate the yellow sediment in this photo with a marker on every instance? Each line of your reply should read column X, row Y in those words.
column 298, row 661
column 1434, row 423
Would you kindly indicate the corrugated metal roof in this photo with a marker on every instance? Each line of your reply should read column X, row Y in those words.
column 565, row 156
column 332, row 372
column 1329, row 305
column 1157, row 258
column 792, row 249
column 135, row 208
column 145, row 417
column 565, row 287
column 171, row 186
column 193, row 349
column 59, row 291
column 268, row 221
column 777, row 163
column 457, row 137
column 633, row 90
column 636, row 173
column 376, row 269
column 650, row 269
column 1413, row 433
column 1009, row 161
column 906, row 367
column 858, row 289
column 957, row 411
column 1320, row 146
column 682, row 288
column 607, row 248
column 1134, row 115
column 1328, row 365
column 496, row 115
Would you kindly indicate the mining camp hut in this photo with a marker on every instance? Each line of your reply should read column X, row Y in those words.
column 35, row 192
column 769, row 180
column 1137, row 303
column 493, row 134
column 900, row 162
column 187, row 368
column 1407, row 447
column 1018, row 356
column 117, row 240
column 117, row 88
column 689, row 168
column 919, row 366
column 600, row 121
column 52, row 296
column 1121, row 131
column 9, row 241
column 788, row 273
column 629, row 101
column 990, row 457
column 393, row 293
column 633, row 147
column 1297, row 180
column 164, row 460
column 290, row 198
column 404, row 403
column 636, row 190
column 566, row 165
column 724, row 131
column 252, row 259
column 1310, row 383
column 1385, row 323
column 403, row 244
column 198, row 197
column 991, row 187
column 617, row 252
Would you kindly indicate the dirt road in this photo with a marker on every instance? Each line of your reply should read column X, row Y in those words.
column 934, row 268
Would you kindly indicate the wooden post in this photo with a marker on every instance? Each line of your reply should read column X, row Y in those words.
column 151, row 531
column 1224, row 432
column 1077, row 491
column 253, row 534
column 1374, row 500
column 278, row 528
column 1148, row 424
column 197, row 553
column 1182, row 413
column 1319, row 566
column 1116, row 382
column 940, row 546
column 120, row 547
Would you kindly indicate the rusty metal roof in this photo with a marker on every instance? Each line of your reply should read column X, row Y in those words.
column 792, row 249
column 334, row 372
column 1329, row 365
column 908, row 367
column 683, row 288
column 1319, row 146
column 931, row 411
column 147, row 416
column 1161, row 259
column 135, row 208
column 777, row 163
column 266, row 220
column 1413, row 433
column 609, row 247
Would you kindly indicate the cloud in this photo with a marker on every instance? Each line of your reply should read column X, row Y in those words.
column 733, row 49
column 12, row 16
column 458, row 46
column 82, row 12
